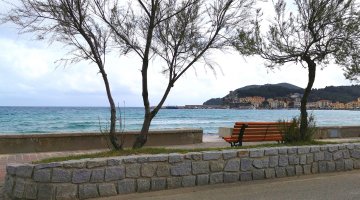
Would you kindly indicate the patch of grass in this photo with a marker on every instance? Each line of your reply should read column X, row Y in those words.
column 142, row 151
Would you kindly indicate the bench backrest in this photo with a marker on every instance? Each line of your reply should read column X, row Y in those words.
column 260, row 131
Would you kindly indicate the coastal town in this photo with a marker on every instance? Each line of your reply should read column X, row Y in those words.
column 293, row 101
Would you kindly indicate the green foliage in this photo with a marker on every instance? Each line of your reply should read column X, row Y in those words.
column 291, row 134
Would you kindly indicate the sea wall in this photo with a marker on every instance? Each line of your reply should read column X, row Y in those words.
column 84, row 141
column 102, row 177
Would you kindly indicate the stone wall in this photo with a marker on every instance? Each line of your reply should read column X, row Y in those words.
column 101, row 177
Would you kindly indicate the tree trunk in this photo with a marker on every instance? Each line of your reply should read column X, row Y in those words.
column 112, row 134
column 303, row 112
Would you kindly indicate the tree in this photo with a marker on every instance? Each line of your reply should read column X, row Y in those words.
column 316, row 33
column 72, row 23
column 179, row 32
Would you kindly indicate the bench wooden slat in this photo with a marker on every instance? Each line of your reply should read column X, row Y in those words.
column 256, row 131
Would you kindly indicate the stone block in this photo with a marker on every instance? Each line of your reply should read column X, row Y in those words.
column 283, row 160
column 302, row 159
column 350, row 146
column 270, row 173
column 158, row 183
column 132, row 170
column 143, row 185
column 188, row 181
column 328, row 156
column 271, row 152
column 19, row 189
column 74, row 164
column 87, row 191
column 309, row 158
column 303, row 150
column 243, row 153
column 346, row 154
column 30, row 190
column 202, row 179
column 163, row 170
column 217, row 177
column 338, row 155
column 283, row 150
column 46, row 192
column 48, row 165
column 42, row 175
column 298, row 170
column 97, row 175
column 174, row 182
column 315, row 168
column 256, row 153
column 114, row 161
column 66, row 191
column 131, row 159
column 349, row 164
column 292, row 150
column 195, row 155
column 273, row 161
column 142, row 159
column 339, row 165
column 232, row 165
column 280, row 172
column 261, row 163
column 245, row 176
column 356, row 164
column 290, row 170
column 181, row 169
column 355, row 154
column 97, row 162
column 24, row 171
column 229, row 154
column 60, row 175
column 246, row 164
column 148, row 169
column 9, row 184
column 212, row 155
column 216, row 165
column 294, row 160
column 126, row 186
column 342, row 146
column 81, row 176
column 315, row 149
column 332, row 148
column 158, row 158
column 331, row 166
column 230, row 177
column 258, row 174
column 319, row 156
column 307, row 169
column 107, row 189
column 11, row 168
column 322, row 166
column 200, row 167
column 176, row 157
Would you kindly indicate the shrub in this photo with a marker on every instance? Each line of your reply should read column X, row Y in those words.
column 291, row 134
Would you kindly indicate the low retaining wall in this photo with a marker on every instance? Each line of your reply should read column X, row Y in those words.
column 85, row 141
column 91, row 178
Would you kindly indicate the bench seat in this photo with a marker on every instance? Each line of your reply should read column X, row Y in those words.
column 256, row 132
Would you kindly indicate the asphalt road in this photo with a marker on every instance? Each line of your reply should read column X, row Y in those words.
column 331, row 186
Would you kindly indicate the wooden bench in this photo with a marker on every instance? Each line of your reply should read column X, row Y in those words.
column 255, row 132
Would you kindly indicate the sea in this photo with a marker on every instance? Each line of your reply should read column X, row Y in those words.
column 41, row 120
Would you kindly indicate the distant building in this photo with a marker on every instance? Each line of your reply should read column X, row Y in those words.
column 323, row 104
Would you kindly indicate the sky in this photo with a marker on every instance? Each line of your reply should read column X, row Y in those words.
column 29, row 75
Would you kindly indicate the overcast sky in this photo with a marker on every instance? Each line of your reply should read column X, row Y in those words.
column 29, row 76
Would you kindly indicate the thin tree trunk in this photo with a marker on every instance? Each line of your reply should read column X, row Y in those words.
column 303, row 112
column 112, row 134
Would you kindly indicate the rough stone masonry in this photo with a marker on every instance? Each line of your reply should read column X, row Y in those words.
column 89, row 178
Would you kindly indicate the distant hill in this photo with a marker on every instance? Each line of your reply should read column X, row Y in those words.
column 332, row 93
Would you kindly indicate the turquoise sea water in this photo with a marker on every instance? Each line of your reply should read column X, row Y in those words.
column 28, row 120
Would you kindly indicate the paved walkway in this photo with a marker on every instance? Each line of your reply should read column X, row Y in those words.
column 328, row 186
